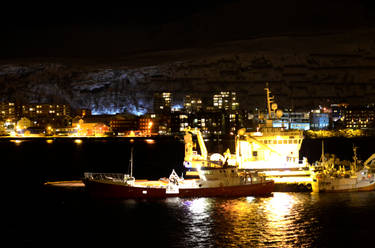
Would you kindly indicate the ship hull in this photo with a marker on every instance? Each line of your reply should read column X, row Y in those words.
column 338, row 186
column 112, row 190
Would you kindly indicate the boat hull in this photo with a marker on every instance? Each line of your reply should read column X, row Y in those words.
column 339, row 186
column 112, row 190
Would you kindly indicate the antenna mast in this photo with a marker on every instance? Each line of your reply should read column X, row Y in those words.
column 269, row 102
column 131, row 162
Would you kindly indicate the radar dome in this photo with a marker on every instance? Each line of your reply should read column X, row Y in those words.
column 217, row 157
column 279, row 113
column 242, row 131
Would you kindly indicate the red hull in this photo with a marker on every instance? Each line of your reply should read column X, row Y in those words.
column 111, row 190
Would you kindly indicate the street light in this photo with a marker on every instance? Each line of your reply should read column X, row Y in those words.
column 149, row 128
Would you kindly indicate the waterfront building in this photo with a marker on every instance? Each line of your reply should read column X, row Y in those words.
column 33, row 110
column 179, row 121
column 83, row 112
column 338, row 111
column 320, row 119
column 359, row 117
column 162, row 102
column 192, row 104
column 121, row 124
column 155, row 123
column 7, row 110
column 293, row 120
column 226, row 100
column 87, row 127
column 24, row 123
column 210, row 122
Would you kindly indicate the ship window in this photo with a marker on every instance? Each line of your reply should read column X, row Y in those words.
column 280, row 142
column 285, row 142
column 290, row 141
column 275, row 141
column 255, row 153
column 295, row 141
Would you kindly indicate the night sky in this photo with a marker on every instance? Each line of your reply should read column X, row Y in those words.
column 114, row 29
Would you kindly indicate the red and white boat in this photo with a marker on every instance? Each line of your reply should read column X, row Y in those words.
column 212, row 182
column 215, row 179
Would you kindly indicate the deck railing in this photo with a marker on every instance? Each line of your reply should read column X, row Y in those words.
column 116, row 177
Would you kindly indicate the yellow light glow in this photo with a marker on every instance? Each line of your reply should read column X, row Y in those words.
column 49, row 141
column 78, row 141
column 150, row 141
column 279, row 207
column 17, row 142
column 199, row 206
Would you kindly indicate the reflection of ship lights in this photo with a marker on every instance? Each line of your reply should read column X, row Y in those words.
column 78, row 141
column 49, row 141
column 279, row 206
column 150, row 141
column 17, row 142
column 198, row 206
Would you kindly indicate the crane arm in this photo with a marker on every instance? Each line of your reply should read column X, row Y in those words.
column 201, row 143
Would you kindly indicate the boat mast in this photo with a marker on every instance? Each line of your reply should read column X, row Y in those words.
column 355, row 157
column 131, row 162
column 268, row 101
column 322, row 157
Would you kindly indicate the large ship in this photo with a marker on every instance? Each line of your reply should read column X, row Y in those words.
column 215, row 179
column 274, row 151
column 334, row 177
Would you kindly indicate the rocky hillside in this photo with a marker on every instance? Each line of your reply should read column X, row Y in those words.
column 303, row 71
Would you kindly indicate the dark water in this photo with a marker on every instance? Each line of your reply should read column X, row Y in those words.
column 36, row 216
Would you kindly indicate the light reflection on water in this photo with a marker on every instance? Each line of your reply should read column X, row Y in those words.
column 276, row 221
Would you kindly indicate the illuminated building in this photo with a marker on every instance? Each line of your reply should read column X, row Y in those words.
column 86, row 127
column 24, row 123
column 320, row 119
column 338, row 111
column 124, row 123
column 45, row 110
column 359, row 117
column 293, row 120
column 192, row 104
column 226, row 100
column 162, row 102
column 179, row 121
column 8, row 110
column 83, row 112
column 153, row 123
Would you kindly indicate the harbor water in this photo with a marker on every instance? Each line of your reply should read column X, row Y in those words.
column 36, row 215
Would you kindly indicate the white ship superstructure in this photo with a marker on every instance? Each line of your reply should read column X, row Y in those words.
column 269, row 148
column 273, row 151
